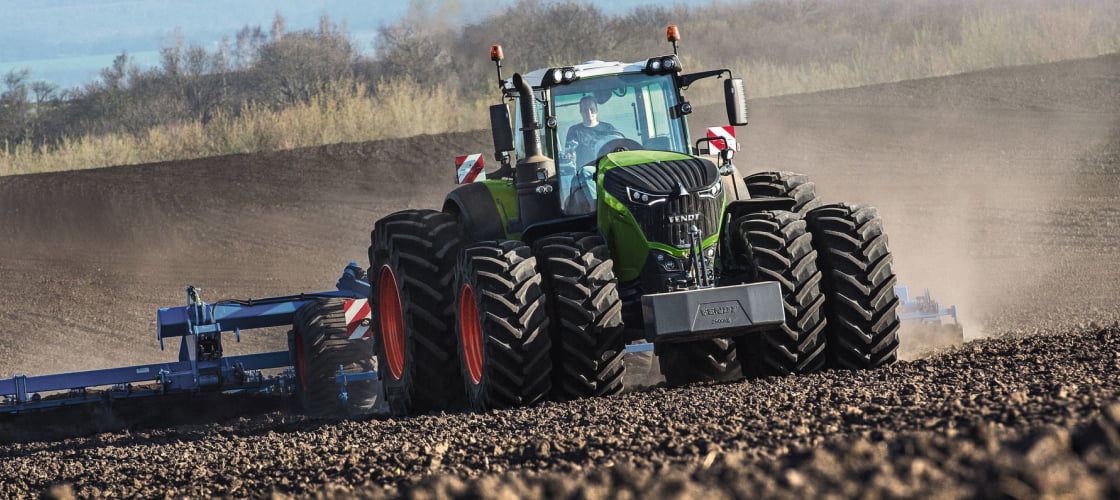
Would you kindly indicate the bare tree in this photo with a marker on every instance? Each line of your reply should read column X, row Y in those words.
column 44, row 91
column 278, row 28
column 248, row 45
column 115, row 77
column 297, row 64
column 171, row 55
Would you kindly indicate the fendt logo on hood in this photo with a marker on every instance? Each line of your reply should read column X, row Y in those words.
column 684, row 218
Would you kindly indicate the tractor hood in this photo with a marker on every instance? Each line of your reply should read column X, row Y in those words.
column 661, row 178
column 655, row 201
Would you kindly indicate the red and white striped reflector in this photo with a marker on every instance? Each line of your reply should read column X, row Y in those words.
column 722, row 138
column 470, row 168
column 358, row 319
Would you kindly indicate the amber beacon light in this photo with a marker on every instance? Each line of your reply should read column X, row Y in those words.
column 673, row 35
column 497, row 56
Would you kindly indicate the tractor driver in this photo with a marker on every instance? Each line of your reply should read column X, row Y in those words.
column 581, row 148
column 585, row 136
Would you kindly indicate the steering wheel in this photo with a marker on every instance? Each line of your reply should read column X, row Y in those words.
column 619, row 144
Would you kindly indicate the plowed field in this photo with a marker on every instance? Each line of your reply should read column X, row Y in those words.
column 1000, row 191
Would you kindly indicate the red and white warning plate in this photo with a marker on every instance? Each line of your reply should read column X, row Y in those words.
column 722, row 138
column 470, row 168
column 358, row 319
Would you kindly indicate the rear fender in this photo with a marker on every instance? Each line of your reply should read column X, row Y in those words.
column 477, row 211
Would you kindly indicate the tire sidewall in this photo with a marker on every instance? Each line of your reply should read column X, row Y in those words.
column 466, row 276
column 397, row 392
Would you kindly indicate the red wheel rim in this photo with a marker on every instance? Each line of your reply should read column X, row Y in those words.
column 392, row 320
column 301, row 361
column 470, row 329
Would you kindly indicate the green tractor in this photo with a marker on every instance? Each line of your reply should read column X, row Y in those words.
column 603, row 229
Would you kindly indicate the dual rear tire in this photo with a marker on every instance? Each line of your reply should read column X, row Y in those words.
column 470, row 325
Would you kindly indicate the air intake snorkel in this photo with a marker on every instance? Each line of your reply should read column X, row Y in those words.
column 535, row 174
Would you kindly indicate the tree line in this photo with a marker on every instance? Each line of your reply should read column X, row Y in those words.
column 280, row 68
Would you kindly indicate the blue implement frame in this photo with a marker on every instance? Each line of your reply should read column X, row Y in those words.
column 922, row 309
column 200, row 367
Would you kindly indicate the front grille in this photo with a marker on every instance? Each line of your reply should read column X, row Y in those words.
column 666, row 178
column 655, row 223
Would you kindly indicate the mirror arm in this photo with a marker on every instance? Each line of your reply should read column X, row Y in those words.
column 688, row 79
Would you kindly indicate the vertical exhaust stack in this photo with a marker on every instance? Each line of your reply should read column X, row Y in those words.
column 535, row 175
column 530, row 122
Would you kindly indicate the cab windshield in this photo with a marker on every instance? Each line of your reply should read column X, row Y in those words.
column 598, row 115
column 630, row 106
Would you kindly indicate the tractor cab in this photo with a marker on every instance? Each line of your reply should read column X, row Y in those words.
column 595, row 108
column 554, row 127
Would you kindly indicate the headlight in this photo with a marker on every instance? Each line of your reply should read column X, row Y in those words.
column 637, row 196
column 661, row 65
column 560, row 76
column 714, row 191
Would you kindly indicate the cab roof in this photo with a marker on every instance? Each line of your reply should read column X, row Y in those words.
column 585, row 70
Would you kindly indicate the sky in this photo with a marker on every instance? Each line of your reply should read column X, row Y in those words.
column 67, row 42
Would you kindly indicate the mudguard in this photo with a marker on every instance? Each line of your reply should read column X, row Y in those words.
column 477, row 211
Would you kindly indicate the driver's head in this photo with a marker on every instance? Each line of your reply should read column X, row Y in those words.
column 589, row 110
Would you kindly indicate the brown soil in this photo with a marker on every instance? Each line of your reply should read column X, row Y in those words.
column 1000, row 191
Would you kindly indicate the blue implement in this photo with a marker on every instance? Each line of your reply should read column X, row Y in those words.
column 922, row 309
column 201, row 365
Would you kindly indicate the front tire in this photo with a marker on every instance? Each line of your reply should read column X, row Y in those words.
column 585, row 314
column 411, row 275
column 502, row 327
column 858, row 283
column 777, row 247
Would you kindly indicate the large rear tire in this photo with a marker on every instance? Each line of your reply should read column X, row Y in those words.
column 708, row 360
column 784, row 185
column 776, row 247
column 585, row 315
column 858, row 283
column 412, row 266
column 320, row 345
column 502, row 327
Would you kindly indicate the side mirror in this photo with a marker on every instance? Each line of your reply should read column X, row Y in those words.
column 736, row 98
column 502, row 129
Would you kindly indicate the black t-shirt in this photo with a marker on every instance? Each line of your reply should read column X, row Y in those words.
column 588, row 138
